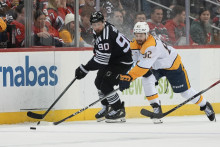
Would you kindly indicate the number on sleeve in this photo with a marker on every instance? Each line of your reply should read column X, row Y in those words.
column 123, row 42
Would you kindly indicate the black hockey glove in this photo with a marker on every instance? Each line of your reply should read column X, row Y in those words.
column 124, row 82
column 80, row 72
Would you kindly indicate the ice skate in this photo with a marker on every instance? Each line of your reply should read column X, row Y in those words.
column 100, row 116
column 157, row 109
column 115, row 116
column 208, row 111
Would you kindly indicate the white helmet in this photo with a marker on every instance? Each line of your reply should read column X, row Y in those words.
column 141, row 27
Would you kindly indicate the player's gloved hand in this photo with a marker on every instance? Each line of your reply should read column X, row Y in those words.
column 124, row 82
column 80, row 72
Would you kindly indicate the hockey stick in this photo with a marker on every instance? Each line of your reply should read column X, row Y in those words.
column 83, row 109
column 155, row 115
column 41, row 116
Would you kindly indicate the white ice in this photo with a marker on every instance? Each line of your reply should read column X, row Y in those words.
column 184, row 131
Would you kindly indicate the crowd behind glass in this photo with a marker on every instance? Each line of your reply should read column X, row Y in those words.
column 54, row 21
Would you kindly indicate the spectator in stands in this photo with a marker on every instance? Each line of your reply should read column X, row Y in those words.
column 110, row 6
column 70, row 5
column 12, row 3
column 86, row 30
column 156, row 26
column 216, row 22
column 19, row 24
column 118, row 21
column 140, row 17
column 45, row 35
column 129, row 8
column 42, row 5
column 90, row 3
column 53, row 18
column 176, row 27
column 67, row 33
column 147, row 7
column 62, row 9
column 201, row 30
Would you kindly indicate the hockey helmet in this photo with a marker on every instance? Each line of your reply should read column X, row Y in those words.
column 141, row 27
column 96, row 17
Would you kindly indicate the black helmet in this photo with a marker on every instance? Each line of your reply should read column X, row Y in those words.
column 96, row 17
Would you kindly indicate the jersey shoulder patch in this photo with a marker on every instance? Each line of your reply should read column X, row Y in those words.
column 148, row 43
column 134, row 45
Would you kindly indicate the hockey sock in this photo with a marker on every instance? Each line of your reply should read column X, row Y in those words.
column 101, row 95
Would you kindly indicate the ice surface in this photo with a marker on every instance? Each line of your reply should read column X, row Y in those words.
column 185, row 131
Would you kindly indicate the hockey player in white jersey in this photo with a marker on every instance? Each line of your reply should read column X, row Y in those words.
column 154, row 60
column 112, row 56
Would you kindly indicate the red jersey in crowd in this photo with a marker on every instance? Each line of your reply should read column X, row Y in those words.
column 9, row 3
column 54, row 19
column 159, row 30
column 53, row 32
column 175, row 32
column 19, row 33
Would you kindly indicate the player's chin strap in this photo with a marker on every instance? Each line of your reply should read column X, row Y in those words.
column 161, row 115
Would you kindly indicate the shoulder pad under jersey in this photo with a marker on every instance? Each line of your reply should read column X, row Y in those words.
column 148, row 43
column 134, row 45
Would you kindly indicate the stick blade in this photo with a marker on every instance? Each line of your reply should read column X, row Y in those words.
column 34, row 115
column 150, row 114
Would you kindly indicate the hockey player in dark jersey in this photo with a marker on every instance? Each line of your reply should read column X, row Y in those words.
column 112, row 56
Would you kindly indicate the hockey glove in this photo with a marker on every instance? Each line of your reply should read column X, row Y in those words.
column 80, row 72
column 124, row 82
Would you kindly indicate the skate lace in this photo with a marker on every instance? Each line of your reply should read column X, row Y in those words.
column 208, row 111
column 102, row 111
column 113, row 112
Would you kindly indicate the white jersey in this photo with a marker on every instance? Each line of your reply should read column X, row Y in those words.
column 154, row 54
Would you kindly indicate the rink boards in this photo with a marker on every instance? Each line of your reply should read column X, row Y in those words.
column 34, row 78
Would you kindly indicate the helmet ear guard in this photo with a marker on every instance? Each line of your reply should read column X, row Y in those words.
column 141, row 27
column 96, row 17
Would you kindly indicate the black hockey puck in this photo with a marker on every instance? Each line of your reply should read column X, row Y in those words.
column 33, row 128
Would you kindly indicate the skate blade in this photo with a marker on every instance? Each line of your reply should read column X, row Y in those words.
column 100, row 119
column 119, row 120
column 157, row 121
column 215, row 120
